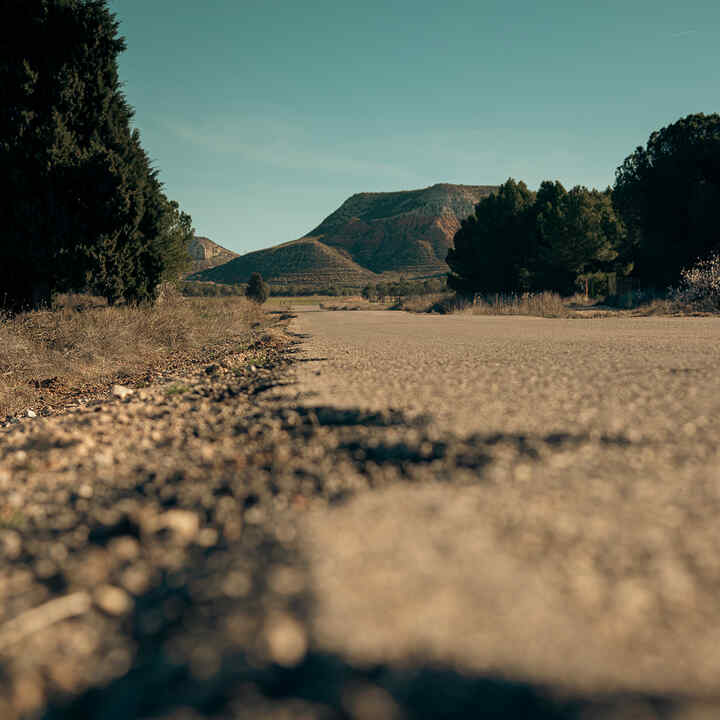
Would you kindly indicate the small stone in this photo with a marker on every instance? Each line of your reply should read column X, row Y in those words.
column 112, row 600
column 183, row 523
column 237, row 584
column 10, row 544
column 124, row 547
column 122, row 392
column 286, row 639
column 136, row 579
column 255, row 516
column 207, row 537
column 31, row 414
column 85, row 491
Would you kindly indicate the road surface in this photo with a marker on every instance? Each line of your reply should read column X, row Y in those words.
column 581, row 552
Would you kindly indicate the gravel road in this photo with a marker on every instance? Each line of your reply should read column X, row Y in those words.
column 377, row 515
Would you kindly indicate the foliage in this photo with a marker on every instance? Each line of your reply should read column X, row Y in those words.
column 257, row 289
column 82, row 207
column 668, row 194
column 193, row 288
column 379, row 292
column 492, row 248
column 699, row 286
column 518, row 241
column 577, row 233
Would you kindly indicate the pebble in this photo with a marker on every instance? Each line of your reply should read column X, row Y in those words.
column 10, row 544
column 122, row 392
column 287, row 640
column 184, row 524
column 136, row 579
column 112, row 600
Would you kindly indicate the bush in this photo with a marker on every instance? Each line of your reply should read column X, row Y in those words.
column 668, row 194
column 450, row 304
column 700, row 285
column 257, row 289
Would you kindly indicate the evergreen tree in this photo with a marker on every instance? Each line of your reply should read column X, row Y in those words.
column 81, row 207
column 494, row 247
column 668, row 194
column 518, row 240
column 257, row 289
column 577, row 231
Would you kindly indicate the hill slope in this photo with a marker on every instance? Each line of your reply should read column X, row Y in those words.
column 204, row 254
column 305, row 261
column 406, row 232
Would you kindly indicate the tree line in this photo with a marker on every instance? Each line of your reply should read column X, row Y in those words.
column 82, row 206
column 380, row 292
column 661, row 216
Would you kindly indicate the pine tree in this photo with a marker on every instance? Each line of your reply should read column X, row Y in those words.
column 257, row 289
column 493, row 247
column 81, row 207
column 668, row 195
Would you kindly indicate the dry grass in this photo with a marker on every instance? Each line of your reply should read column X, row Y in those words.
column 421, row 303
column 542, row 304
column 82, row 343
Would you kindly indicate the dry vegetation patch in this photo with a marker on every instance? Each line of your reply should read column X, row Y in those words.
column 542, row 304
column 81, row 345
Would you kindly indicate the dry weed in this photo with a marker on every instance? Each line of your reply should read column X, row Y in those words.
column 82, row 342
column 542, row 304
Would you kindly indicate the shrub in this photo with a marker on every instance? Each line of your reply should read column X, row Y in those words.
column 257, row 289
column 700, row 285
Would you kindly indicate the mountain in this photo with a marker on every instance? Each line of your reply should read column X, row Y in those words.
column 406, row 232
column 205, row 254
column 306, row 262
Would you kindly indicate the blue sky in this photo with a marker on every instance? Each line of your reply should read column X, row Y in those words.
column 264, row 115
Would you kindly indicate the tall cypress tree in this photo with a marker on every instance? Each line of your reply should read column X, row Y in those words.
column 82, row 208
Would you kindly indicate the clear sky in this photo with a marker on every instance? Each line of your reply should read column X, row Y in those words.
column 264, row 115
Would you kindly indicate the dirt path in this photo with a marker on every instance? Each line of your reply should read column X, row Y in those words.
column 385, row 516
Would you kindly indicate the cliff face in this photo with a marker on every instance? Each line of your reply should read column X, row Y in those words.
column 407, row 232
column 206, row 254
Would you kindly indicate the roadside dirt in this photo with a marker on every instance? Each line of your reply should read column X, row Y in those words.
column 254, row 539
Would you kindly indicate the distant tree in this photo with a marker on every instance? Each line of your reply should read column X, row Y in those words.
column 668, row 195
column 493, row 248
column 81, row 206
column 257, row 289
column 578, row 233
